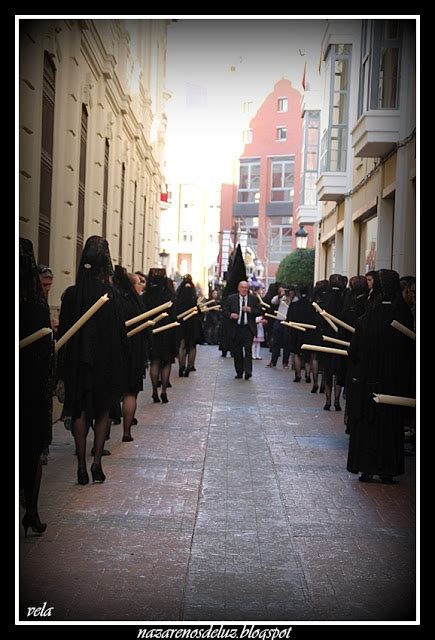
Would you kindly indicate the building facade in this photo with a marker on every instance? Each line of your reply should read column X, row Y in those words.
column 259, row 208
column 92, row 131
column 366, row 186
column 190, row 232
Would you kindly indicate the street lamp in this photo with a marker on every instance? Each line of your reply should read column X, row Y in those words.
column 164, row 258
column 301, row 237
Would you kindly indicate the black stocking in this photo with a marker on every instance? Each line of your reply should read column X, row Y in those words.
column 80, row 428
column 154, row 374
column 165, row 372
column 128, row 410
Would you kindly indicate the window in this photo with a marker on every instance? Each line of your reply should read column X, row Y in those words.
column 249, row 181
column 380, row 65
column 282, row 181
column 48, row 95
column 310, row 157
column 367, row 245
column 280, row 238
column 247, row 136
column 334, row 140
column 282, row 105
column 281, row 133
column 249, row 227
column 82, row 185
column 247, row 107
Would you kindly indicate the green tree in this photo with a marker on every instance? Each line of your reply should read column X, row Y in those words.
column 297, row 268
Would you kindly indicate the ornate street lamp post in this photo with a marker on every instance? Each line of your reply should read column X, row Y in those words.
column 164, row 258
column 301, row 237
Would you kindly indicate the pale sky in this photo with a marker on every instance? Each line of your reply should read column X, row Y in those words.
column 215, row 65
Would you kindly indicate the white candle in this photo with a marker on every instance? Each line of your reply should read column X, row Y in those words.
column 326, row 315
column 166, row 326
column 45, row 331
column 315, row 347
column 292, row 325
column 204, row 304
column 149, row 313
column 141, row 327
column 264, row 304
column 81, row 321
column 211, row 308
column 278, row 313
column 401, row 327
column 400, row 401
column 190, row 315
column 160, row 317
column 185, row 313
column 329, row 321
column 336, row 341
column 303, row 324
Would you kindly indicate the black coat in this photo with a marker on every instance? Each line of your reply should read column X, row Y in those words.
column 231, row 305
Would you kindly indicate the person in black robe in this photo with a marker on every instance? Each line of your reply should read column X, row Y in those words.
column 91, row 363
column 162, row 346
column 131, row 306
column 333, row 301
column 190, row 332
column 236, row 273
column 303, row 311
column 212, row 320
column 383, row 361
column 35, row 390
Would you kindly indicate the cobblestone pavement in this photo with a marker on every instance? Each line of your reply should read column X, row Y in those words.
column 232, row 503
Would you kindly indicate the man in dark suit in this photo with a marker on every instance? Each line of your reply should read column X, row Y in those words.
column 241, row 309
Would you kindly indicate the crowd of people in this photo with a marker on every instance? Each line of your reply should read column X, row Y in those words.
column 102, row 366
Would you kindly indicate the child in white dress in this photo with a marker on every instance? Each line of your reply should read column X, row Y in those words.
column 259, row 338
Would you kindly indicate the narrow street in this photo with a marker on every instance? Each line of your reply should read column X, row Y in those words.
column 232, row 503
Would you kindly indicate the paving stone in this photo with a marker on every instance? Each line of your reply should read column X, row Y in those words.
column 232, row 503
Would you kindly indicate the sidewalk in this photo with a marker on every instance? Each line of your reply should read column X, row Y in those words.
column 232, row 503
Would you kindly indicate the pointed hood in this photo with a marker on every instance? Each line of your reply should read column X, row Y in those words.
column 236, row 273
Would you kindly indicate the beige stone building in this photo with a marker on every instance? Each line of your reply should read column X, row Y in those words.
column 190, row 232
column 92, row 131
column 366, row 187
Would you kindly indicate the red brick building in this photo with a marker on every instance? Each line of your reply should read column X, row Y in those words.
column 260, row 211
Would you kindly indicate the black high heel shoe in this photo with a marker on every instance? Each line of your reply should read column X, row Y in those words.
column 366, row 477
column 314, row 389
column 33, row 522
column 155, row 397
column 181, row 372
column 164, row 398
column 337, row 406
column 97, row 473
column 327, row 407
column 82, row 476
column 187, row 371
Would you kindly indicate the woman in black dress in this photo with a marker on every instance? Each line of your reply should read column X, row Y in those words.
column 91, row 363
column 35, row 395
column 131, row 306
column 189, row 333
column 162, row 346
column 383, row 361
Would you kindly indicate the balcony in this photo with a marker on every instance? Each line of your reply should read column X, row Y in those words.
column 331, row 186
column 307, row 214
column 376, row 133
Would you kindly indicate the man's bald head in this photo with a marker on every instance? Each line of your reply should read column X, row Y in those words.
column 243, row 288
